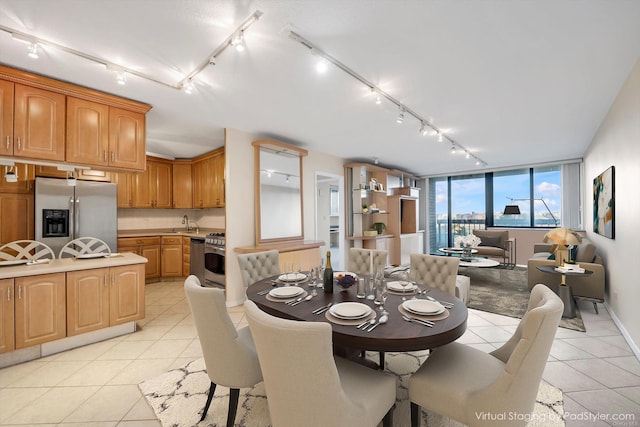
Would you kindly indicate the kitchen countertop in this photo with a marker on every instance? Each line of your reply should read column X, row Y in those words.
column 70, row 264
column 168, row 232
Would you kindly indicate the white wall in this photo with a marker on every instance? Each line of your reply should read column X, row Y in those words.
column 240, row 211
column 617, row 143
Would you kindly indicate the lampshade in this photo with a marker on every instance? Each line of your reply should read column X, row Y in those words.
column 562, row 236
column 511, row 210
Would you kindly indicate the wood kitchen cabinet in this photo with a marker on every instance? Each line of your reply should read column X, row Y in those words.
column 87, row 132
column 40, row 309
column 148, row 247
column 171, row 256
column 208, row 180
column 7, row 327
column 126, row 139
column 87, row 300
column 182, row 185
column 25, row 179
column 38, row 123
column 186, row 256
column 124, row 180
column 80, row 174
column 16, row 217
column 152, row 188
column 6, row 118
column 126, row 294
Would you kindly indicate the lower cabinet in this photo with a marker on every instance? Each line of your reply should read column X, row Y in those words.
column 40, row 309
column 7, row 325
column 171, row 256
column 148, row 247
column 48, row 307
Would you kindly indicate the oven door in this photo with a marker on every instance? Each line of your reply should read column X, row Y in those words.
column 214, row 266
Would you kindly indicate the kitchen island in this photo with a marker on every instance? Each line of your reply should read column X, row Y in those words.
column 66, row 303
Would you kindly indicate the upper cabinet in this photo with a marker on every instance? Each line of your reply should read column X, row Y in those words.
column 208, row 180
column 49, row 120
column 38, row 124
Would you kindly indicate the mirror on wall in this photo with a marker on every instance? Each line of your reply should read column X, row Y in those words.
column 278, row 171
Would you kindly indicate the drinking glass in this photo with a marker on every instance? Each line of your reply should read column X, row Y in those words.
column 313, row 277
column 404, row 284
column 384, row 293
column 321, row 273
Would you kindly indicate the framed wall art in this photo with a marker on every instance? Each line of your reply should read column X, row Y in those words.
column 604, row 203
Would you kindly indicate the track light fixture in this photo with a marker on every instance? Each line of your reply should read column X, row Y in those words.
column 423, row 129
column 188, row 87
column 380, row 93
column 321, row 66
column 236, row 39
column 453, row 149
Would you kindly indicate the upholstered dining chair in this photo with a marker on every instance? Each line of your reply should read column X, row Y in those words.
column 229, row 354
column 435, row 271
column 259, row 265
column 307, row 386
column 84, row 246
column 25, row 249
column 360, row 260
column 461, row 382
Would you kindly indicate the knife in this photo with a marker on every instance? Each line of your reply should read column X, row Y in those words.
column 322, row 309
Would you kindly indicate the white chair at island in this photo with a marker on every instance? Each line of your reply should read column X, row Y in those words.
column 84, row 246
column 25, row 249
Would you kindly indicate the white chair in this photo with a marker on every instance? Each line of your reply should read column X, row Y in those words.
column 229, row 354
column 435, row 271
column 84, row 246
column 360, row 261
column 259, row 265
column 307, row 386
column 25, row 249
column 460, row 382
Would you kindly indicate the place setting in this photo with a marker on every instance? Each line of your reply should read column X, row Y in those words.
column 350, row 313
column 402, row 287
column 423, row 310
column 286, row 294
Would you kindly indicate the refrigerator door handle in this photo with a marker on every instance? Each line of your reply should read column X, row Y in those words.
column 72, row 208
column 76, row 231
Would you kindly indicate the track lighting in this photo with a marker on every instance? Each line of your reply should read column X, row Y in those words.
column 188, row 87
column 238, row 41
column 321, row 66
column 423, row 129
column 33, row 51
column 477, row 162
column 373, row 87
column 121, row 77
column 466, row 154
column 453, row 149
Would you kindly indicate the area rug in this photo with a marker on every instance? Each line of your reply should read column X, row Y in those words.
column 505, row 291
column 178, row 397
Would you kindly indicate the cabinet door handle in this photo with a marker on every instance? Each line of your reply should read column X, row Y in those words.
column 19, row 145
column 113, row 156
column 8, row 294
column 8, row 142
column 106, row 280
column 104, row 155
column 19, row 292
column 113, row 278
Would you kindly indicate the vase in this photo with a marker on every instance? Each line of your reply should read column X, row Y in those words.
column 466, row 252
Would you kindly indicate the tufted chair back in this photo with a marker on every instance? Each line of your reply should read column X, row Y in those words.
column 258, row 265
column 435, row 271
column 360, row 260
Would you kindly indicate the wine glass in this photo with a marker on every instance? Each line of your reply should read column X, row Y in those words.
column 321, row 273
column 404, row 284
column 384, row 293
column 413, row 279
column 313, row 277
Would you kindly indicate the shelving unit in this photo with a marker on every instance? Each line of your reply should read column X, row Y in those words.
column 372, row 201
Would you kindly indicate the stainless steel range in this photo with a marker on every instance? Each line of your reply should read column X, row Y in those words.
column 214, row 247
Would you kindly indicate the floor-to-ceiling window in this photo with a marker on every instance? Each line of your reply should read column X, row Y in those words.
column 460, row 204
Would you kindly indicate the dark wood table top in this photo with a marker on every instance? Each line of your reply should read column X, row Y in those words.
column 396, row 335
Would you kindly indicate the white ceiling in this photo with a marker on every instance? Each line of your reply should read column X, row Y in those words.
column 516, row 82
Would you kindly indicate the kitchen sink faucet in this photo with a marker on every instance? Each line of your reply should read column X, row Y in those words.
column 185, row 221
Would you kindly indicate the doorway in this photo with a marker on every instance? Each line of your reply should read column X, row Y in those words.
column 330, row 216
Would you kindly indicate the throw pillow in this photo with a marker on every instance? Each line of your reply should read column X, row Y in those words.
column 490, row 241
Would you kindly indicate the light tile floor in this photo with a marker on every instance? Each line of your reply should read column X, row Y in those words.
column 96, row 385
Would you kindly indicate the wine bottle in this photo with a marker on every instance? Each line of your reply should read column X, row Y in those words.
column 328, row 275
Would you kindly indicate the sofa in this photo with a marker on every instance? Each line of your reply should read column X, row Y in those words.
column 496, row 244
column 590, row 288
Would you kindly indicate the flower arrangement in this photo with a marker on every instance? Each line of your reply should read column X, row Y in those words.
column 345, row 280
column 467, row 241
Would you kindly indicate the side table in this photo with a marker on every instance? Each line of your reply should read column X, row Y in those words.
column 564, row 291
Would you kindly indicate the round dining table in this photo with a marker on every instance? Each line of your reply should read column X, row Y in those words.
column 396, row 335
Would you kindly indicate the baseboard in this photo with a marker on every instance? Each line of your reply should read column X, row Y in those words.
column 625, row 334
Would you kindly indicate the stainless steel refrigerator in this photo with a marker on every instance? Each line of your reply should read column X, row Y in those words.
column 64, row 212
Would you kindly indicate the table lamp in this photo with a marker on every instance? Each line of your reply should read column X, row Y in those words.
column 561, row 238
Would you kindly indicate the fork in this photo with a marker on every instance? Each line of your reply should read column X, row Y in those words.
column 419, row 321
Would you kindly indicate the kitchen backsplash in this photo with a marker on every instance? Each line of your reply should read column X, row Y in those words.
column 140, row 219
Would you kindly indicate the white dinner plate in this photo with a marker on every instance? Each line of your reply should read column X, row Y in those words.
column 350, row 310
column 92, row 256
column 13, row 262
column 292, row 277
column 423, row 307
column 397, row 287
column 286, row 292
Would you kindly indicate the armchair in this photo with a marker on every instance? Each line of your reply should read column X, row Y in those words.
column 497, row 244
column 590, row 288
